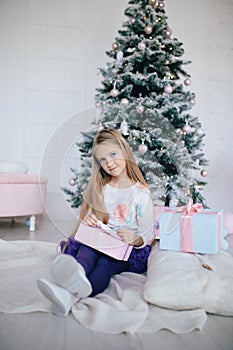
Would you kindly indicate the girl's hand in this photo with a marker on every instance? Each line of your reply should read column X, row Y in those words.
column 90, row 220
column 129, row 237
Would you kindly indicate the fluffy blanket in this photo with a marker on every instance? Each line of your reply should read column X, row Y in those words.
column 125, row 306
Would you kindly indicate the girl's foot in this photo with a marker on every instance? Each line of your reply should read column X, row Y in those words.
column 62, row 300
column 69, row 274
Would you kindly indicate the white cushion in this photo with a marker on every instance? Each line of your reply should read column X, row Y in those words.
column 13, row 167
column 177, row 280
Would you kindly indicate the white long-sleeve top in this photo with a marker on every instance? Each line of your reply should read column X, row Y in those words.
column 131, row 208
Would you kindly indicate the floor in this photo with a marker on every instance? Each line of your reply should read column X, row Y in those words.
column 41, row 331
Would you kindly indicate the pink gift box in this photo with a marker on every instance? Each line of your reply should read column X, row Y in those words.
column 98, row 239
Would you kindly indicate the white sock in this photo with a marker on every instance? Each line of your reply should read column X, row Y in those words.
column 62, row 300
column 69, row 274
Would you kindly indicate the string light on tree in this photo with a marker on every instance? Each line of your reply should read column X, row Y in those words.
column 168, row 32
column 100, row 127
column 193, row 101
column 132, row 20
column 160, row 5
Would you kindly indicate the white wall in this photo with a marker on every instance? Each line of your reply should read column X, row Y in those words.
column 49, row 54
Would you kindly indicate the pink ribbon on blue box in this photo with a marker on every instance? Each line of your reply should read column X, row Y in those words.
column 189, row 231
column 186, row 227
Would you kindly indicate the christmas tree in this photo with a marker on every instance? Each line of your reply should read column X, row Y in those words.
column 145, row 94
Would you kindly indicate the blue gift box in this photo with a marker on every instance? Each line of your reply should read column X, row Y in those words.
column 207, row 231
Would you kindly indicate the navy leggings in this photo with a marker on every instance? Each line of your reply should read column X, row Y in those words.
column 99, row 267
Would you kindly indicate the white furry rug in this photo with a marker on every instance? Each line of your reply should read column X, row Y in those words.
column 123, row 307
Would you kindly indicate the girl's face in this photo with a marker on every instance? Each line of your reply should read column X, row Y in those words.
column 111, row 159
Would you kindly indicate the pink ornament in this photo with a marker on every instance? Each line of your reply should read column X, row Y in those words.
column 187, row 82
column 187, row 128
column 142, row 46
column 193, row 101
column 168, row 89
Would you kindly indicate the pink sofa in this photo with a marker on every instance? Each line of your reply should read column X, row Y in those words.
column 22, row 195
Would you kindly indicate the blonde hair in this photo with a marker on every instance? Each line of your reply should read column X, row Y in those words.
column 93, row 200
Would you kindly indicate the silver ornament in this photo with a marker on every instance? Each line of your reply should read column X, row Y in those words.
column 142, row 148
column 124, row 101
column 148, row 29
column 140, row 109
column 199, row 132
column 114, row 92
column 152, row 2
column 72, row 182
column 115, row 46
column 119, row 55
column 124, row 128
column 204, row 173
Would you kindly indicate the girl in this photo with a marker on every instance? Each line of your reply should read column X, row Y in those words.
column 118, row 195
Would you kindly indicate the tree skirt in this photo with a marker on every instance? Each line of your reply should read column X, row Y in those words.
column 122, row 307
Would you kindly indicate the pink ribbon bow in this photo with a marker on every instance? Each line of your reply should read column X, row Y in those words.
column 193, row 208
